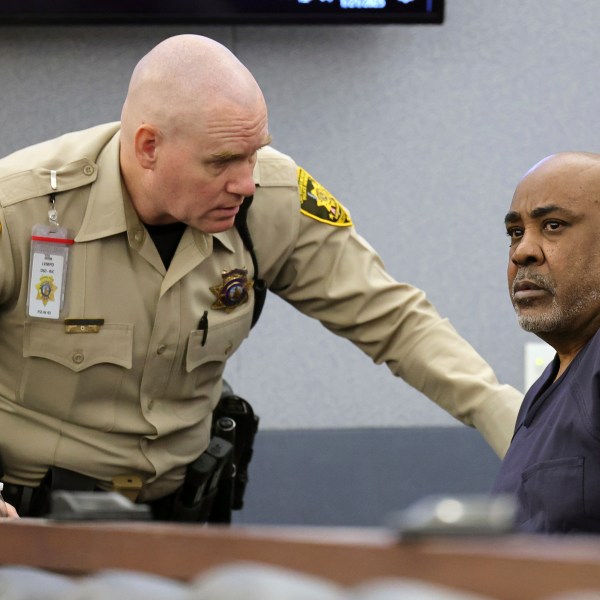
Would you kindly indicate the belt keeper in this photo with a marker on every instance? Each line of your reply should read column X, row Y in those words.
column 127, row 485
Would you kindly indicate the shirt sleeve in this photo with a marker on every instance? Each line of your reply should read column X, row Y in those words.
column 312, row 256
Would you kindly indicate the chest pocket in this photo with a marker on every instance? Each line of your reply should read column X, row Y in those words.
column 112, row 344
column 218, row 343
column 204, row 364
column 75, row 377
column 551, row 495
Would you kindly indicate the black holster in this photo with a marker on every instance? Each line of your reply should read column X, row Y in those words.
column 246, row 425
column 215, row 482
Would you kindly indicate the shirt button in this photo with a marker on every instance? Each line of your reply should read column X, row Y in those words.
column 161, row 349
column 78, row 358
column 88, row 170
column 138, row 235
column 229, row 348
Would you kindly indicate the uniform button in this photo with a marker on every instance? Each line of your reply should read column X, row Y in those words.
column 88, row 170
column 78, row 358
column 161, row 349
column 138, row 235
column 229, row 348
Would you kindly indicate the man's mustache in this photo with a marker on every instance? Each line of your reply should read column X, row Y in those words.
column 526, row 276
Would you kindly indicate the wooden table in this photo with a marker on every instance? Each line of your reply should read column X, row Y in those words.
column 507, row 567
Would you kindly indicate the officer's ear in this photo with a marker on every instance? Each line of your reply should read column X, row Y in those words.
column 145, row 143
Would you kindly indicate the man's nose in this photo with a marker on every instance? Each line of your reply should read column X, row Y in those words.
column 528, row 251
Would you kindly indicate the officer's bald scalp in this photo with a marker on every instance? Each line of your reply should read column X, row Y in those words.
column 182, row 77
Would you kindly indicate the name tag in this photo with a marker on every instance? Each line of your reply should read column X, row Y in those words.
column 48, row 271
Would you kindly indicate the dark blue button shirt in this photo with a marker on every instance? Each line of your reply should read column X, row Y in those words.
column 553, row 463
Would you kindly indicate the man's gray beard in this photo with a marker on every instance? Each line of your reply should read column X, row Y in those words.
column 558, row 317
column 539, row 322
column 544, row 322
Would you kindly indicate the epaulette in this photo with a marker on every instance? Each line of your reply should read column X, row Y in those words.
column 274, row 168
column 27, row 173
column 24, row 185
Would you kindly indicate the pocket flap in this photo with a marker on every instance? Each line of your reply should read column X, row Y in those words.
column 221, row 342
column 112, row 344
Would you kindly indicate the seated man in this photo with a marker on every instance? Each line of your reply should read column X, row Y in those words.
column 553, row 463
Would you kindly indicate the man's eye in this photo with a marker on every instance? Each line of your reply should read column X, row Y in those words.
column 514, row 233
column 552, row 225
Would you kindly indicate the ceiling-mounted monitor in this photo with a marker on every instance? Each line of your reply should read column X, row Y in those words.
column 234, row 12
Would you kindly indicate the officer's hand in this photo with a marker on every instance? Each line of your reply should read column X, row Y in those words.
column 8, row 511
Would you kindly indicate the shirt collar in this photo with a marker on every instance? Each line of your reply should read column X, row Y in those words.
column 105, row 212
column 225, row 237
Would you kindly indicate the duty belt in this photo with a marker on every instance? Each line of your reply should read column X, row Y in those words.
column 214, row 483
column 206, row 493
column 35, row 501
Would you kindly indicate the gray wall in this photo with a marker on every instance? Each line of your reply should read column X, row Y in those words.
column 422, row 131
column 360, row 476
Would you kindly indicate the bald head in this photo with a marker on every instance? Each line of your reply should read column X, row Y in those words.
column 182, row 78
column 192, row 124
column 569, row 173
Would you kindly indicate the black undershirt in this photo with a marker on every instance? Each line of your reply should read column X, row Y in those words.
column 166, row 239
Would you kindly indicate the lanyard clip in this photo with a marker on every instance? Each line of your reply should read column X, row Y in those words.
column 52, row 212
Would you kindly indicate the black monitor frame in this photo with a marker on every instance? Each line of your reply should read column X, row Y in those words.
column 220, row 12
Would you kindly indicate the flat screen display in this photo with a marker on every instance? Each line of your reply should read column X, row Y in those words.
column 239, row 12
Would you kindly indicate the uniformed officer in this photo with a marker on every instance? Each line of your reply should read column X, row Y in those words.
column 125, row 288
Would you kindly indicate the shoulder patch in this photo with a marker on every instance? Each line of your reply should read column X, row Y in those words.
column 317, row 203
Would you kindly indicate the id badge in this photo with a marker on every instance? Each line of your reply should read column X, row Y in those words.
column 48, row 271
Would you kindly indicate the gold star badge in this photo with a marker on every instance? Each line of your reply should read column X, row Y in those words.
column 46, row 289
column 233, row 291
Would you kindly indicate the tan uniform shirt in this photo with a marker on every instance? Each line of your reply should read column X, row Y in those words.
column 135, row 398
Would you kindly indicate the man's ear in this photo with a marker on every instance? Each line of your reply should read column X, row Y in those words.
column 145, row 142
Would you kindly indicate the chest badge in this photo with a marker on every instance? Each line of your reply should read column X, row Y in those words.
column 233, row 291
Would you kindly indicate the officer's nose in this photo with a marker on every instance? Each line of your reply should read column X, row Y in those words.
column 242, row 182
